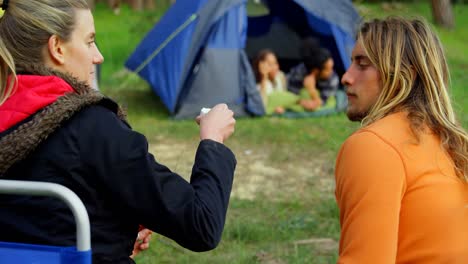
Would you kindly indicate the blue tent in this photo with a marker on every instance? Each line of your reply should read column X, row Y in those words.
column 197, row 55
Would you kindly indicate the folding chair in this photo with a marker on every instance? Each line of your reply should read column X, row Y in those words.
column 19, row 253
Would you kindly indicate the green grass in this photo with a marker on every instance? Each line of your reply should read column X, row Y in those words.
column 254, row 9
column 267, row 226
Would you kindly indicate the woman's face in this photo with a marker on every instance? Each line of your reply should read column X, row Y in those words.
column 272, row 62
column 80, row 53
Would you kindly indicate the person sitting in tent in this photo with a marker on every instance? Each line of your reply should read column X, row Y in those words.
column 315, row 73
column 271, row 83
column 268, row 76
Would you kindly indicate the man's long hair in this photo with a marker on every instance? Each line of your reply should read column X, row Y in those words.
column 415, row 78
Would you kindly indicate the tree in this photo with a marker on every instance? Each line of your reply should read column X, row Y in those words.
column 442, row 13
column 141, row 4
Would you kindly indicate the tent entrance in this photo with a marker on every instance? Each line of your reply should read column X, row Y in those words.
column 281, row 26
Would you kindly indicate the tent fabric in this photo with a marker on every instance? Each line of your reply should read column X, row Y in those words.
column 167, row 46
column 230, row 32
column 189, row 31
column 340, row 13
column 198, row 54
column 332, row 22
column 211, row 84
column 215, row 74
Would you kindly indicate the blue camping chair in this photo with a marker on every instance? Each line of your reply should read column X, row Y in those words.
column 19, row 253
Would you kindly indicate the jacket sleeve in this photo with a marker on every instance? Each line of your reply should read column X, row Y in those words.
column 370, row 182
column 193, row 214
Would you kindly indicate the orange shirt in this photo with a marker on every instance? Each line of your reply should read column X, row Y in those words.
column 399, row 201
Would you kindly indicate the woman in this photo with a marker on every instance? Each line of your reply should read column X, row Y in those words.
column 268, row 76
column 55, row 128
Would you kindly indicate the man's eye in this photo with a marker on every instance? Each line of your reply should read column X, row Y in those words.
column 362, row 64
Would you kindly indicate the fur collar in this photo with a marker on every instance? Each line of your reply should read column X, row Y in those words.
column 17, row 144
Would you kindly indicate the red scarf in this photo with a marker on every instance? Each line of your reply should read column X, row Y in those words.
column 33, row 93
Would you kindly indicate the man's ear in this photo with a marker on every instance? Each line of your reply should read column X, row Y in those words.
column 56, row 50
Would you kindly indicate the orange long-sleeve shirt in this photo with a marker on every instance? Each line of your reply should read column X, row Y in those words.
column 400, row 201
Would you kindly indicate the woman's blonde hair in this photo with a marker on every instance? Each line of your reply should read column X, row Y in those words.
column 25, row 28
column 415, row 77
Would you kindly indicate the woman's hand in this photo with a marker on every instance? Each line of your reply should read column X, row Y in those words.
column 142, row 242
column 218, row 124
column 264, row 69
column 280, row 110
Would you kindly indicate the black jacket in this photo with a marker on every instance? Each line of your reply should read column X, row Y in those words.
column 100, row 158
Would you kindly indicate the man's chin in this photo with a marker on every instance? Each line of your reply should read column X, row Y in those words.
column 355, row 116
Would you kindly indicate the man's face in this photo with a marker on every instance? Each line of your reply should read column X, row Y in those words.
column 327, row 70
column 363, row 86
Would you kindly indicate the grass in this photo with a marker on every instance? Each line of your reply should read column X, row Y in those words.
column 265, row 227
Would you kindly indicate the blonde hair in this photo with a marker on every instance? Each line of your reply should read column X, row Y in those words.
column 25, row 29
column 415, row 77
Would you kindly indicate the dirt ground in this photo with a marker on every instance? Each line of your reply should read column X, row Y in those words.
column 256, row 173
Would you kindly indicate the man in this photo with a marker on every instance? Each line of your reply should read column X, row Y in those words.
column 401, row 180
column 315, row 72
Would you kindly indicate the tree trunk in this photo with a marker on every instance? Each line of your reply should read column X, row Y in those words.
column 442, row 13
column 139, row 5
column 150, row 4
column 135, row 4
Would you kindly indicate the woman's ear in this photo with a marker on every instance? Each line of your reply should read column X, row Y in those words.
column 56, row 50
